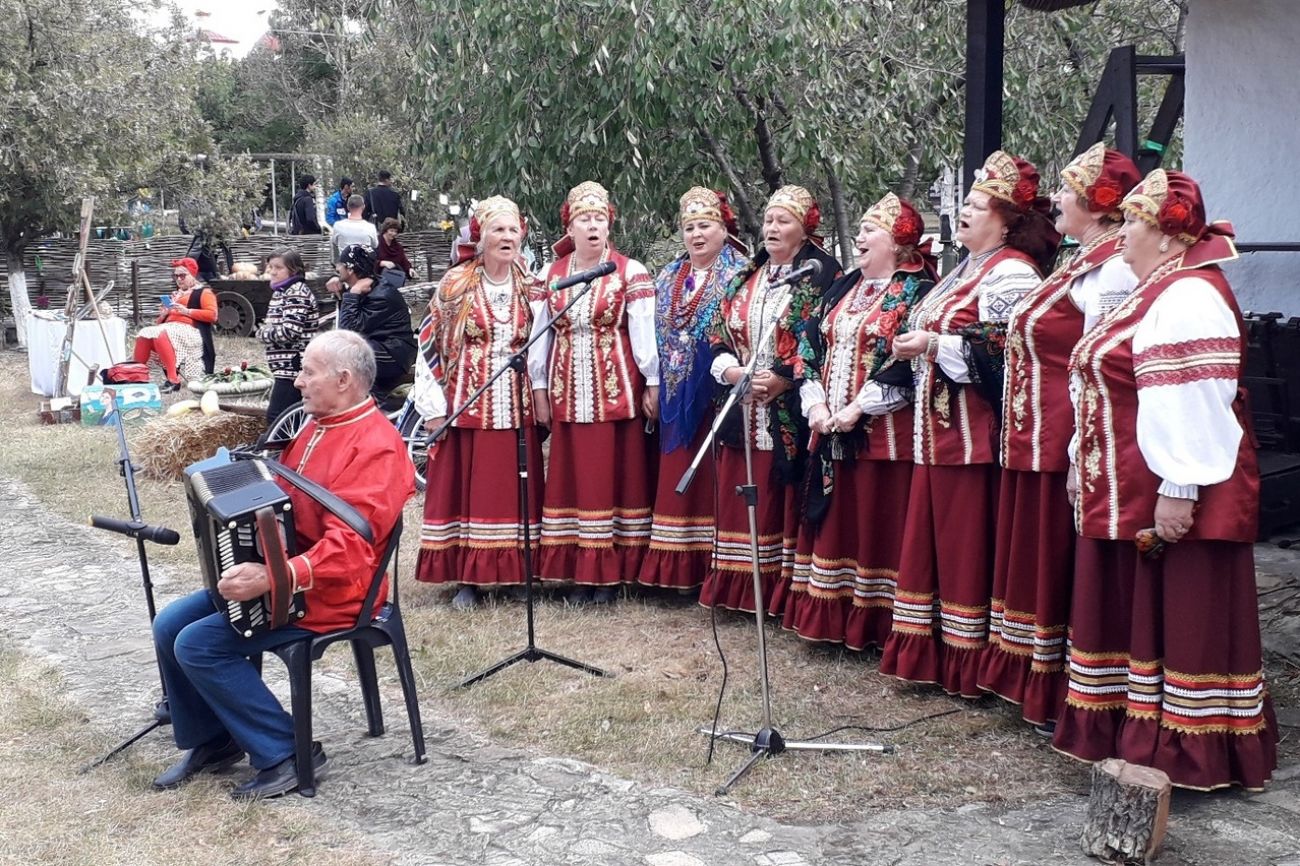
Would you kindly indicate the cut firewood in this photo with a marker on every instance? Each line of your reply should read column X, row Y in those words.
column 1128, row 810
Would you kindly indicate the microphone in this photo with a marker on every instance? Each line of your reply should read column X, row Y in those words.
column 601, row 270
column 810, row 268
column 136, row 529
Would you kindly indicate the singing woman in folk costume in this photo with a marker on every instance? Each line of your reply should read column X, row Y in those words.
column 604, row 376
column 687, row 294
column 1034, row 559
column 778, row 432
column 481, row 314
column 1165, row 666
column 945, row 575
column 857, row 397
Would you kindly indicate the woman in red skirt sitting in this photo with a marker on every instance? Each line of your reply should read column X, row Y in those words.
column 481, row 314
column 1165, row 663
column 858, row 400
column 687, row 295
column 603, row 386
column 945, row 575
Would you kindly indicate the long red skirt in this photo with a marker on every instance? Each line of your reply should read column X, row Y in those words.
column 846, row 569
column 1194, row 703
column 730, row 581
column 471, row 531
column 596, row 517
column 681, row 528
column 945, row 576
column 1033, row 570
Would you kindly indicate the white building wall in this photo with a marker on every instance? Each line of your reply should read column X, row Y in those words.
column 1242, row 136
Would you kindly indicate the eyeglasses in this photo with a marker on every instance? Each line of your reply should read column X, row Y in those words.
column 180, row 275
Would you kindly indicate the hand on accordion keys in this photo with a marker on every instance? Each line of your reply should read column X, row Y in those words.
column 244, row 581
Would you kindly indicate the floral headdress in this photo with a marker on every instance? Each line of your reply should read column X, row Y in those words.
column 898, row 218
column 1171, row 202
column 488, row 210
column 799, row 203
column 586, row 197
column 1009, row 178
column 1101, row 177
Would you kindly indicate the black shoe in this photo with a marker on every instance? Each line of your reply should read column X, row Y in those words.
column 282, row 778
column 170, row 387
column 605, row 595
column 209, row 757
column 579, row 596
column 1046, row 729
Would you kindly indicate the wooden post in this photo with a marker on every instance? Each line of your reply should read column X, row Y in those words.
column 1128, row 810
column 135, row 292
column 985, row 32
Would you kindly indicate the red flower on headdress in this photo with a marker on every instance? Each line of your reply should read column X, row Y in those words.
column 724, row 208
column 1024, row 192
column 1104, row 195
column 564, row 214
column 475, row 230
column 1174, row 215
column 812, row 219
column 907, row 229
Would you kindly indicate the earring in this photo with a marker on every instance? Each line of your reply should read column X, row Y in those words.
column 1164, row 244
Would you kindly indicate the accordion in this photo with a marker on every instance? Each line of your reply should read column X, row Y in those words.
column 240, row 514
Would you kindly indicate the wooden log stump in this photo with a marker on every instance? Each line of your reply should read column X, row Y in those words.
column 1128, row 810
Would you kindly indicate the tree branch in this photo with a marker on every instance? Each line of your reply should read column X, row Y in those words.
column 748, row 219
column 772, row 172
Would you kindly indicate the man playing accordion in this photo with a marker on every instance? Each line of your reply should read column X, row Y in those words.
column 220, row 708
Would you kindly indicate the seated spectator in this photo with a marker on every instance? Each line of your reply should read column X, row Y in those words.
column 182, row 336
column 392, row 255
column 377, row 311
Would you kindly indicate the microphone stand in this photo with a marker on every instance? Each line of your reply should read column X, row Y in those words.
column 768, row 742
column 519, row 363
column 161, row 712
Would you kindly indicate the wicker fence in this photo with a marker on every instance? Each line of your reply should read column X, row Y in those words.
column 141, row 269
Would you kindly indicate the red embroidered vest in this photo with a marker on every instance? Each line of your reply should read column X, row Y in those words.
column 473, row 344
column 954, row 425
column 1037, row 418
column 1117, row 492
column 889, row 436
column 594, row 377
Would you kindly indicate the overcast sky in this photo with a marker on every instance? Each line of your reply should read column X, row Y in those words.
column 244, row 20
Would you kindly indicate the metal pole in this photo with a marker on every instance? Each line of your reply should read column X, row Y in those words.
column 275, row 205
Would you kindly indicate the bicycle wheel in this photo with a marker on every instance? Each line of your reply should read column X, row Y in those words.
column 417, row 447
column 288, row 424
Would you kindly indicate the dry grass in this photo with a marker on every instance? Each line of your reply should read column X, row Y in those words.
column 641, row 723
column 110, row 816
column 165, row 446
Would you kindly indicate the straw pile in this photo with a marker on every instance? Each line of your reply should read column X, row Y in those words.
column 165, row 446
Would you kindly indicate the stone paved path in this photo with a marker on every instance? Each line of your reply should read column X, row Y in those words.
column 71, row 598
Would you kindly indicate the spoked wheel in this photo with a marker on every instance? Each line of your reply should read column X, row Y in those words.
column 235, row 315
column 417, row 445
column 288, row 424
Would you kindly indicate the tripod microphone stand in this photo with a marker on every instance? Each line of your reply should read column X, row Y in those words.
column 519, row 363
column 139, row 530
column 768, row 741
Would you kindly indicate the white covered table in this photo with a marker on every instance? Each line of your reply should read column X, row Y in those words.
column 45, row 333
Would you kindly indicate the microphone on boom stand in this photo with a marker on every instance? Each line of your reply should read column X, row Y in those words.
column 603, row 269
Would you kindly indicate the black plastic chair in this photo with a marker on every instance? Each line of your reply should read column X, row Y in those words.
column 365, row 637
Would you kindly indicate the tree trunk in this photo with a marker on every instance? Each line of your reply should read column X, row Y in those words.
column 907, row 186
column 749, row 221
column 841, row 213
column 22, row 306
column 1128, row 810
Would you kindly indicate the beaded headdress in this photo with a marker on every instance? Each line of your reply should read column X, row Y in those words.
column 798, row 202
column 1101, row 178
column 586, row 197
column 1009, row 178
column 896, row 217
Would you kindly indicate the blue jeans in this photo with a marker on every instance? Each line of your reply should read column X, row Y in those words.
column 212, row 687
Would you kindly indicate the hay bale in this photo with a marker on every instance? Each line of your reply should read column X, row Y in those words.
column 165, row 446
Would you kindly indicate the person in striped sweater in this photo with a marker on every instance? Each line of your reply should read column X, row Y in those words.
column 289, row 325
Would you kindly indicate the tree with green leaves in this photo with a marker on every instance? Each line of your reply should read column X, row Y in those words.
column 94, row 103
column 653, row 96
